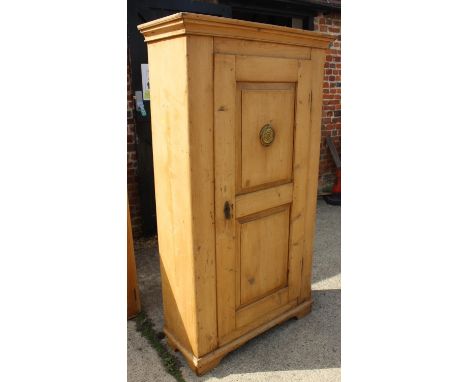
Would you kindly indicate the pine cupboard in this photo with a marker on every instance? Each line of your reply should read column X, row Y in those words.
column 236, row 111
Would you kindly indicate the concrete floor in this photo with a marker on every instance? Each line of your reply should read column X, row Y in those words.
column 298, row 350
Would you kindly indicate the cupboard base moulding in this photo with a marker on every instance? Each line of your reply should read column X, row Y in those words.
column 209, row 361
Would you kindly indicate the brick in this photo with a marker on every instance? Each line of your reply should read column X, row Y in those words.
column 131, row 179
column 132, row 163
column 331, row 109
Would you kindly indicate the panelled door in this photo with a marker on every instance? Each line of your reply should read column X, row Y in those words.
column 262, row 109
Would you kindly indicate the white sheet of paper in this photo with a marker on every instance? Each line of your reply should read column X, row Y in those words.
column 145, row 82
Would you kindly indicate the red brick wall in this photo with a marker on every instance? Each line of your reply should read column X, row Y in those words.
column 331, row 112
column 132, row 163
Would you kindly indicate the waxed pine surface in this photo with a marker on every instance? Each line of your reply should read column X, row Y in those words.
column 298, row 350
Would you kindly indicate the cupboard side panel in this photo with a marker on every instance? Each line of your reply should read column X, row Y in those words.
column 200, row 98
column 170, row 136
column 317, row 63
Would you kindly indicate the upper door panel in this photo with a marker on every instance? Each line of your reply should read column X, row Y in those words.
column 267, row 134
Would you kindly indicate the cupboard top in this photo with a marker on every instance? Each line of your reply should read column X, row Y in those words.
column 194, row 24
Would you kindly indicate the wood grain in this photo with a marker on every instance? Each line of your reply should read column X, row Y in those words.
column 171, row 157
column 200, row 126
column 317, row 65
column 254, row 311
column 261, row 200
column 235, row 217
column 201, row 365
column 257, row 48
column 183, row 160
column 301, row 162
column 264, row 255
column 266, row 164
column 224, row 138
column 184, row 23
column 265, row 69
column 133, row 292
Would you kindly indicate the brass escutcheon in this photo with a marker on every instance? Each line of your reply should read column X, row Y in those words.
column 267, row 135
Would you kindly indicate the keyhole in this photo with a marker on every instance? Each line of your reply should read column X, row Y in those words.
column 227, row 210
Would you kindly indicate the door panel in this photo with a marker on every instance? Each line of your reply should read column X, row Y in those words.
column 263, row 255
column 262, row 164
column 260, row 187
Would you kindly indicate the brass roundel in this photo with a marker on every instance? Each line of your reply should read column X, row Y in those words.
column 267, row 135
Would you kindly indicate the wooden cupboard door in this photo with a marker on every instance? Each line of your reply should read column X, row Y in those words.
column 261, row 135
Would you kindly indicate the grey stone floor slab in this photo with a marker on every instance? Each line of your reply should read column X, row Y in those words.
column 298, row 350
